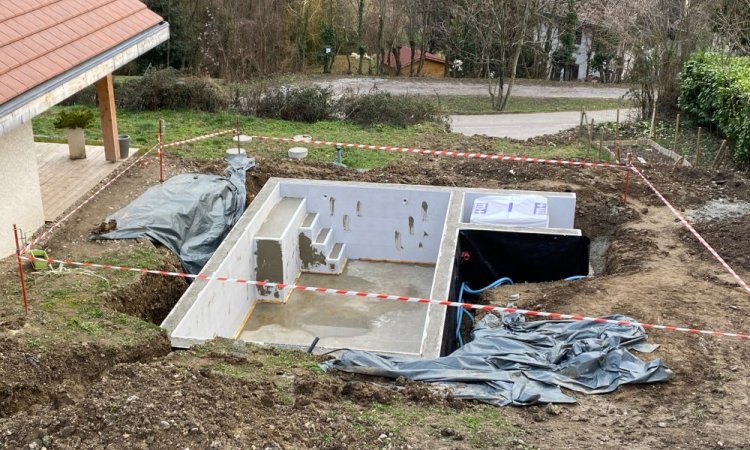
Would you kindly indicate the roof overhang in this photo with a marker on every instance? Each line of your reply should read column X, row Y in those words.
column 40, row 98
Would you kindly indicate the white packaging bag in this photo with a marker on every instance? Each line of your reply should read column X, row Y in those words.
column 511, row 210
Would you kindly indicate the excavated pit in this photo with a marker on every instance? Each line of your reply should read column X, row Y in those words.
column 404, row 240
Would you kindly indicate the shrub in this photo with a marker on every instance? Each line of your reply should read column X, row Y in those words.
column 384, row 108
column 715, row 89
column 164, row 89
column 71, row 118
column 306, row 104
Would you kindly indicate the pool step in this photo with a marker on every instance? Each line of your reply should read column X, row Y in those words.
column 318, row 250
column 336, row 260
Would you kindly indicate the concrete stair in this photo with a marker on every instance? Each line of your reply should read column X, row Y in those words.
column 319, row 251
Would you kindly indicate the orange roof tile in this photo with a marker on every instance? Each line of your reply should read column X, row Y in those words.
column 41, row 39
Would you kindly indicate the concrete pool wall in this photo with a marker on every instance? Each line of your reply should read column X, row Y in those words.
column 296, row 226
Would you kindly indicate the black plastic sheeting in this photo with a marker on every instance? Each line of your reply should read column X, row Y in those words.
column 522, row 257
column 514, row 362
column 189, row 213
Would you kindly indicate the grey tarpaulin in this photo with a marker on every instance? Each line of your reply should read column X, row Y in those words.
column 514, row 362
column 189, row 213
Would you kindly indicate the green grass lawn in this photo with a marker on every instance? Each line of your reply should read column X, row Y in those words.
column 454, row 104
column 179, row 125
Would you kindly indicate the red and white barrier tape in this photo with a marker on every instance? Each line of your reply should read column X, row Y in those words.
column 34, row 242
column 197, row 138
column 397, row 298
column 388, row 148
column 687, row 225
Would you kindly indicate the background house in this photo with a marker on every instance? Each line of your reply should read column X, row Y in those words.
column 49, row 50
column 434, row 66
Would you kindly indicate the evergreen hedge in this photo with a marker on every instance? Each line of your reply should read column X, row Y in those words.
column 715, row 89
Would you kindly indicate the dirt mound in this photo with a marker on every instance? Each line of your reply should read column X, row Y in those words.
column 61, row 377
column 236, row 397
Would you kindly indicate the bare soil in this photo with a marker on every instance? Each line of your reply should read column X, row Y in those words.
column 114, row 389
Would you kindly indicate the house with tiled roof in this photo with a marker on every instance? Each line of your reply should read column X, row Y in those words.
column 49, row 50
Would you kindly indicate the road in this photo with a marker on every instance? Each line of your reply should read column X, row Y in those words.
column 524, row 126
column 453, row 86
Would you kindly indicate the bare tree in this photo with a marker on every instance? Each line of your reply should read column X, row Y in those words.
column 732, row 22
column 492, row 33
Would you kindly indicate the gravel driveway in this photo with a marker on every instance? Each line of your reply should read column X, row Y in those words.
column 524, row 126
column 454, row 86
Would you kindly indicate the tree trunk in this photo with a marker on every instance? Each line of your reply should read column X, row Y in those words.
column 516, row 54
column 412, row 52
column 514, row 66
column 379, row 67
column 396, row 53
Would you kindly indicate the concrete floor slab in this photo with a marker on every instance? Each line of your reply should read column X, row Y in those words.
column 349, row 322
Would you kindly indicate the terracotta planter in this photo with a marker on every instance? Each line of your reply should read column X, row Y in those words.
column 76, row 143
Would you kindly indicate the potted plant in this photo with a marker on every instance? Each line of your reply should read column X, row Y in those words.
column 75, row 120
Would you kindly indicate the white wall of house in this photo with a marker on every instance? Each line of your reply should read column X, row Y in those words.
column 582, row 54
column 20, row 194
column 582, row 49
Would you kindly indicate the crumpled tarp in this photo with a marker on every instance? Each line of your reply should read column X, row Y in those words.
column 189, row 213
column 514, row 362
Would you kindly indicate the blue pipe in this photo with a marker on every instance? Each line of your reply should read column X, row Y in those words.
column 576, row 277
column 461, row 311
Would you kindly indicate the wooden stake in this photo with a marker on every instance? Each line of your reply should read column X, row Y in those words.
column 653, row 122
column 20, row 270
column 627, row 176
column 617, row 135
column 160, row 141
column 719, row 155
column 676, row 134
column 601, row 144
column 591, row 136
column 698, row 148
column 580, row 126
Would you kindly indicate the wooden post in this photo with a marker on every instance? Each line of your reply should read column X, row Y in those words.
column 237, row 133
column 719, row 155
column 617, row 135
column 591, row 136
column 601, row 144
column 580, row 126
column 627, row 176
column 698, row 148
column 20, row 270
column 651, row 132
column 105, row 93
column 160, row 141
column 676, row 133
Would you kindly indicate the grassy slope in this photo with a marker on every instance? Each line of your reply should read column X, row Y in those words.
column 142, row 128
column 454, row 104
column 70, row 304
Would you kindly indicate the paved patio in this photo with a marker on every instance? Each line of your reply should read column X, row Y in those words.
column 64, row 181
